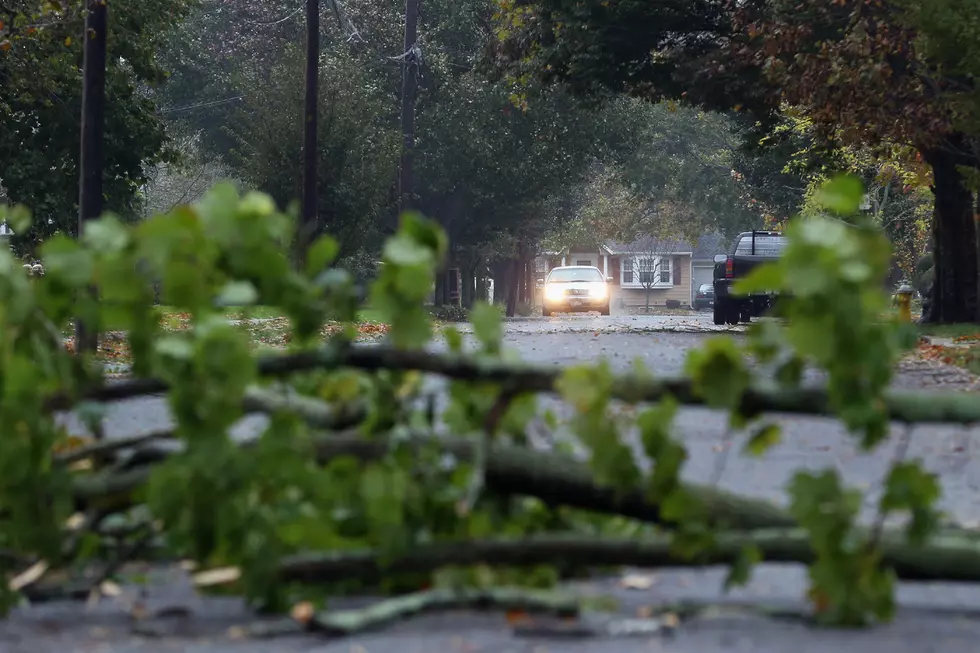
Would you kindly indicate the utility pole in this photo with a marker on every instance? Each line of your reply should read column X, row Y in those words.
column 90, row 162
column 311, row 117
column 410, row 66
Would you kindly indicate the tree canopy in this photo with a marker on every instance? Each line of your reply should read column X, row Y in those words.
column 40, row 73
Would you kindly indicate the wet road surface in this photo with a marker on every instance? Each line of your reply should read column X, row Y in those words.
column 661, row 343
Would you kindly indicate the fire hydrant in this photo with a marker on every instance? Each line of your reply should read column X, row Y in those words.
column 903, row 299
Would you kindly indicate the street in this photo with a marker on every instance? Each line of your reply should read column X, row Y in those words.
column 715, row 456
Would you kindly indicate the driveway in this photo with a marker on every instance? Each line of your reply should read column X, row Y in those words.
column 661, row 343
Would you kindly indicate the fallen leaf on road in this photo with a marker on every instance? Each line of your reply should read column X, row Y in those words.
column 302, row 612
column 637, row 581
column 237, row 633
column 517, row 617
column 29, row 576
column 108, row 588
column 219, row 576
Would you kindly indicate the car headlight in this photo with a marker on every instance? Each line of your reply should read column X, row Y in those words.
column 598, row 290
column 554, row 293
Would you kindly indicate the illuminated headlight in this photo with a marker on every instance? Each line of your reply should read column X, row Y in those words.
column 554, row 293
column 598, row 290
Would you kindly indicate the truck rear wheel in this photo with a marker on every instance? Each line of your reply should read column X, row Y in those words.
column 719, row 313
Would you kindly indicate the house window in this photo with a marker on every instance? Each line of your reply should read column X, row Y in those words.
column 627, row 271
column 647, row 271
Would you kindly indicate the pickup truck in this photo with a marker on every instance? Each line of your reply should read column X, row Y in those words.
column 750, row 249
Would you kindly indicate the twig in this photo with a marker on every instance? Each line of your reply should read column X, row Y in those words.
column 900, row 406
column 494, row 415
column 102, row 448
column 901, row 451
column 351, row 622
column 314, row 412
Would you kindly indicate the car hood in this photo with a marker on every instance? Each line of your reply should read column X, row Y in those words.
column 574, row 284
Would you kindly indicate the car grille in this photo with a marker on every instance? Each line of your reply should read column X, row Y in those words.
column 577, row 292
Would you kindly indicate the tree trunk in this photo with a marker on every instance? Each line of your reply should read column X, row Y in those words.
column 410, row 64
column 954, row 234
column 310, row 227
column 499, row 274
column 530, row 276
column 93, row 134
column 512, row 280
column 439, row 296
column 471, row 279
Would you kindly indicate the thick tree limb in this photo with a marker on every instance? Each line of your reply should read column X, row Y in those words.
column 510, row 470
column 945, row 558
column 901, row 406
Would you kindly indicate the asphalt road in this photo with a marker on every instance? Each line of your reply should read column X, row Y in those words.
column 661, row 343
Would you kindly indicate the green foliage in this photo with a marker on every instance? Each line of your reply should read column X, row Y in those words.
column 222, row 503
column 848, row 585
column 834, row 271
column 39, row 128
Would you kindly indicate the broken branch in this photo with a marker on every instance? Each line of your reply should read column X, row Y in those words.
column 901, row 406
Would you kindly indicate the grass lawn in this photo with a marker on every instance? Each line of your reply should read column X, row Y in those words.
column 950, row 330
column 366, row 314
column 267, row 328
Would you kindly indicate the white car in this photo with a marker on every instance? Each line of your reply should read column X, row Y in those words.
column 576, row 288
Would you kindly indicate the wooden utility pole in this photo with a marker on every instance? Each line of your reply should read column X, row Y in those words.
column 309, row 227
column 93, row 133
column 410, row 69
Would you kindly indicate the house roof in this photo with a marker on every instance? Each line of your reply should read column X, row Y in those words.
column 649, row 244
column 709, row 245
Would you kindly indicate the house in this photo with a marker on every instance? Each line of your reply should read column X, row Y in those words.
column 703, row 259
column 660, row 268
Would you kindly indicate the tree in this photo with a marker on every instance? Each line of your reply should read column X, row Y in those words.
column 183, row 180
column 852, row 66
column 648, row 261
column 39, row 125
column 358, row 145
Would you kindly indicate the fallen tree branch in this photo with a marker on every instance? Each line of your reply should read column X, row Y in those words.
column 314, row 412
column 947, row 558
column 351, row 622
column 901, row 406
column 555, row 479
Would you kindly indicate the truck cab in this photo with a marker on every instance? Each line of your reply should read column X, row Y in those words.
column 750, row 249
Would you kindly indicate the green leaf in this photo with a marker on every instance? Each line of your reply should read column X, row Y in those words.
column 321, row 254
column 238, row 293
column 763, row 438
column 106, row 234
column 18, row 217
column 487, row 326
column 841, row 195
column 741, row 572
column 718, row 372
column 910, row 488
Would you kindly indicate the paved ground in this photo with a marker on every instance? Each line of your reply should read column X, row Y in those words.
column 808, row 443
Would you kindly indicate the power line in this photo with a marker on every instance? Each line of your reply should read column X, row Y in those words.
column 202, row 105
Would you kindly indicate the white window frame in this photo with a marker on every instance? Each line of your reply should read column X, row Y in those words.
column 664, row 266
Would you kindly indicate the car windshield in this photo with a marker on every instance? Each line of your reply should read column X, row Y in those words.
column 567, row 275
column 705, row 287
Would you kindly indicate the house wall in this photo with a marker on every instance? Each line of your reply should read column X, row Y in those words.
column 637, row 297
column 628, row 297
